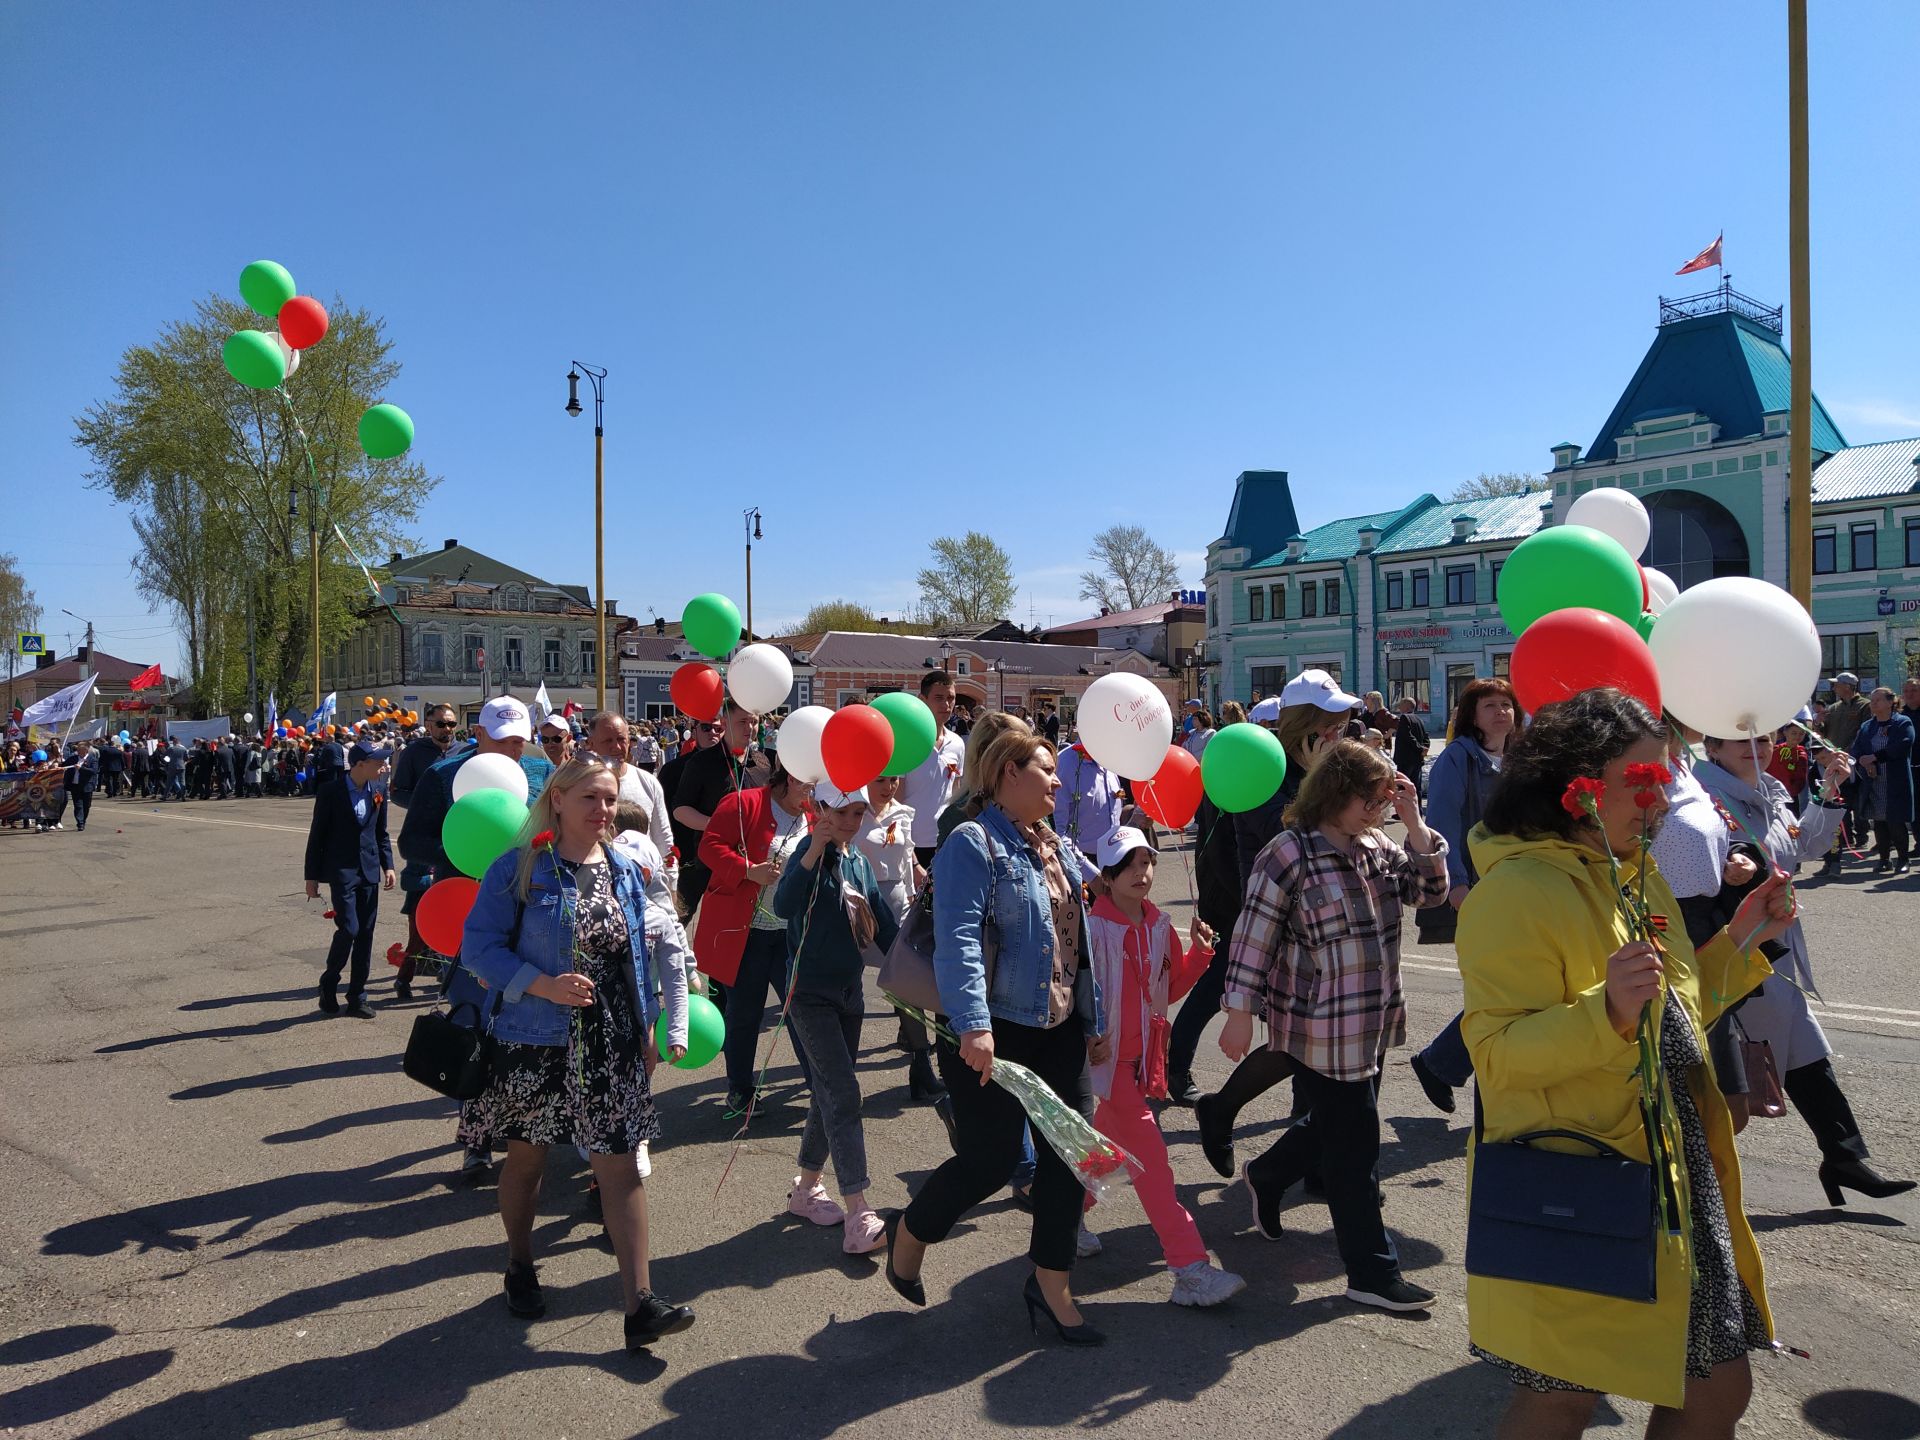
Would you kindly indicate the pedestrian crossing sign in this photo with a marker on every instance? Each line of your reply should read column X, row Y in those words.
column 33, row 644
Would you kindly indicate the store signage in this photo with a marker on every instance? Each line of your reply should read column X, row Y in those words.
column 1421, row 636
column 1888, row 605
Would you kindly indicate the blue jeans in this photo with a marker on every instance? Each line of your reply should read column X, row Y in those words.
column 827, row 1027
column 1028, row 1162
column 1446, row 1055
column 764, row 966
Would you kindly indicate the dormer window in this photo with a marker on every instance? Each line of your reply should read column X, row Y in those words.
column 1296, row 547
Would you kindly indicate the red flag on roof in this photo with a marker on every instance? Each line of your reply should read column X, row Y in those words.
column 146, row 679
column 1707, row 257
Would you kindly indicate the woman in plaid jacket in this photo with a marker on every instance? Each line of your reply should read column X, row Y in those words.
column 1317, row 947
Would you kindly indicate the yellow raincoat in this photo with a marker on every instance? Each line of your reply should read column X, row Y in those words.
column 1534, row 938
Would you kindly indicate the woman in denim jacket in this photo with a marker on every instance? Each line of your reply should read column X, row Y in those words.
column 557, row 937
column 1005, row 882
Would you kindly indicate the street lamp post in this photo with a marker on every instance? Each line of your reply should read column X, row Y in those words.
column 751, row 518
column 1000, row 670
column 597, row 377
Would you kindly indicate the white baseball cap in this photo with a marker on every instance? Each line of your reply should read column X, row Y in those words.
column 828, row 796
column 505, row 718
column 1120, row 844
column 1317, row 687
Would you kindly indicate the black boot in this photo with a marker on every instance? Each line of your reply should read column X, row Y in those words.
column 1180, row 1088
column 922, row 1083
column 1815, row 1092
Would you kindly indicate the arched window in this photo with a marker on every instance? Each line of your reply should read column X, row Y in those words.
column 1694, row 538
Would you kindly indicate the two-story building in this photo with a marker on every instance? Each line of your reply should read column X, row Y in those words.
column 1168, row 632
column 1405, row 601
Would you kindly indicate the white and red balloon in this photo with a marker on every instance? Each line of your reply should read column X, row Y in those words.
column 1126, row 725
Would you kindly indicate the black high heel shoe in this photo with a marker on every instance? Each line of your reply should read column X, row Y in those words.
column 1081, row 1334
column 911, row 1291
column 1856, row 1174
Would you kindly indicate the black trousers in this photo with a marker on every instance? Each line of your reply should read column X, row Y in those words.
column 1815, row 1092
column 1200, row 1006
column 354, row 909
column 1890, row 837
column 989, row 1124
column 82, row 803
column 1342, row 1141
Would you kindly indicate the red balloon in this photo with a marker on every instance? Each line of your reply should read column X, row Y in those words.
column 303, row 322
column 856, row 745
column 1172, row 796
column 698, row 690
column 1578, row 649
column 442, row 912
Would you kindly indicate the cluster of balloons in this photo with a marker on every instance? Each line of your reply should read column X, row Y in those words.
column 383, row 711
column 1126, row 725
column 1732, row 656
column 263, row 359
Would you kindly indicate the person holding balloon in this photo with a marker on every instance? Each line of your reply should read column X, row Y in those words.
column 886, row 839
column 557, row 935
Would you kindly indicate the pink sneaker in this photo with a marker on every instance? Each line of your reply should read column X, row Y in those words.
column 815, row 1204
column 866, row 1232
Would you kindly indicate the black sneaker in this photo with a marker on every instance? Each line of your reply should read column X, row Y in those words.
column 736, row 1105
column 654, row 1318
column 329, row 1002
column 1216, row 1139
column 358, row 1009
column 1438, row 1091
column 1181, row 1090
column 523, row 1291
column 1266, row 1207
column 402, row 990
column 943, row 1107
column 1396, row 1294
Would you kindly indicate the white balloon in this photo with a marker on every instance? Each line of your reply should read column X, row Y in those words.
column 1737, row 657
column 760, row 677
column 800, row 743
column 1660, row 590
column 1126, row 725
column 1616, row 513
column 247, row 719
column 490, row 772
column 287, row 352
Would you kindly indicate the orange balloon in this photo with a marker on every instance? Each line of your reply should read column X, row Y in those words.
column 368, row 702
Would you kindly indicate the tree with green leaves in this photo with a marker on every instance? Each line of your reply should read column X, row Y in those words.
column 222, row 493
column 1133, row 569
column 1485, row 487
column 19, row 614
column 970, row 580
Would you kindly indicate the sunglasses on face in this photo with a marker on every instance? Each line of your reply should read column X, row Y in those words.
column 551, row 740
column 443, row 725
column 713, row 729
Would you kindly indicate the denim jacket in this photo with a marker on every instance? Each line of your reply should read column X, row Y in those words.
column 987, row 865
column 545, row 946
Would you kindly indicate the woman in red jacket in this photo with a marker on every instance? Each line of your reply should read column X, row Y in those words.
column 739, row 941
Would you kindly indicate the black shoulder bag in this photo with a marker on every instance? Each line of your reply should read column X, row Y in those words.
column 446, row 1056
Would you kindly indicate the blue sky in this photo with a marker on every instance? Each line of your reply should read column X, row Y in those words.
column 891, row 271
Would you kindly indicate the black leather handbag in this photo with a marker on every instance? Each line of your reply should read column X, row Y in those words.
column 444, row 1055
column 1547, row 1217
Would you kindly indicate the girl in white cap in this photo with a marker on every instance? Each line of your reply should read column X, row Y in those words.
column 1138, row 960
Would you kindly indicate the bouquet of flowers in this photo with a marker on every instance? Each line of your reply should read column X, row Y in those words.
column 1096, row 1161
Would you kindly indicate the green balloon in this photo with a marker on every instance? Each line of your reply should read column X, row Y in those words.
column 254, row 360
column 711, row 624
column 1245, row 771
column 480, row 828
column 386, row 432
column 1645, row 625
column 705, row 1030
column 1566, row 566
column 914, row 730
column 266, row 286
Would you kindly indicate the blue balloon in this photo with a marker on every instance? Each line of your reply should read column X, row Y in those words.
column 39, row 757
column 301, row 776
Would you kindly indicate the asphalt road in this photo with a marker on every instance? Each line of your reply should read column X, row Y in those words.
column 227, row 1216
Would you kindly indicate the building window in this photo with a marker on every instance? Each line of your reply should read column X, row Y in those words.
column 1458, row 678
column 476, row 653
column 1858, row 653
column 1494, row 571
column 1268, row 680
column 1913, row 541
column 1863, row 547
column 1309, row 601
column 550, row 658
column 1420, row 580
column 515, row 662
column 1396, row 591
column 1824, row 562
column 1331, row 590
column 1277, row 602
column 963, row 667
column 1332, row 667
column 433, row 655
column 1410, row 677
column 589, row 657
column 1256, row 604
column 1503, row 665
column 1460, row 590
column 1213, row 613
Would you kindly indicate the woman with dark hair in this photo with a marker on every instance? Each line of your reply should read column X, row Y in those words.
column 1485, row 721
column 1883, row 749
column 1555, row 988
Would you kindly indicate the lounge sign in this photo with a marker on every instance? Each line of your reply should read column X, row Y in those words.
column 1425, row 636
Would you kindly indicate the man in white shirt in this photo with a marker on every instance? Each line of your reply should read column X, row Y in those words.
column 929, row 786
column 608, row 739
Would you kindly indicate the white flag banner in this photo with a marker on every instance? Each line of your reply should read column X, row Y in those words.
column 542, row 703
column 61, row 706
column 323, row 712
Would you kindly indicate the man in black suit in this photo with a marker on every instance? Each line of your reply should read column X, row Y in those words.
column 347, row 847
column 83, row 775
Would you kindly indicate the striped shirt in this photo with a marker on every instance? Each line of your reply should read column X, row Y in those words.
column 1318, row 944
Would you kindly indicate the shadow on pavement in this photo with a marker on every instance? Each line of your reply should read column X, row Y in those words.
column 1763, row 1223
column 224, row 1032
column 1863, row 1415
column 434, row 1107
column 52, row 1344
column 292, row 1075
column 1433, row 1407
column 77, row 1389
column 225, row 1002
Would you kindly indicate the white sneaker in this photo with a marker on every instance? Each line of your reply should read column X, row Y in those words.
column 1087, row 1244
column 815, row 1204
column 1200, row 1284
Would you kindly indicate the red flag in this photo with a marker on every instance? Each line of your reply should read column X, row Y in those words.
column 1707, row 257
column 146, row 679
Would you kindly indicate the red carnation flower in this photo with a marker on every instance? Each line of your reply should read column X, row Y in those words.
column 1644, row 775
column 545, row 837
column 1646, row 799
column 1582, row 797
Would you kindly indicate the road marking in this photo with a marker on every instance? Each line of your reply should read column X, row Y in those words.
column 1876, row 1009
column 210, row 820
column 1837, row 1011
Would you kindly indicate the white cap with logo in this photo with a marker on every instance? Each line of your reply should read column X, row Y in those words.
column 1317, row 687
column 505, row 718
column 1116, row 847
column 829, row 796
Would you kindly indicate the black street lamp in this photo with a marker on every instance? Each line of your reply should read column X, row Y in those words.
column 596, row 377
column 751, row 519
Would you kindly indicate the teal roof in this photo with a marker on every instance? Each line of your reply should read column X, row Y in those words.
column 1725, row 366
column 1868, row 472
column 1262, row 517
column 1340, row 539
column 1497, row 517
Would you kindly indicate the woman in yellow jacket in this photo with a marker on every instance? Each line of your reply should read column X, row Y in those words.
column 1554, row 987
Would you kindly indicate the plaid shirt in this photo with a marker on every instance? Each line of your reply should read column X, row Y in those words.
column 1319, row 944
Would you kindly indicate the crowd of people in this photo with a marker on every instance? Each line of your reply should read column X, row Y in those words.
column 655, row 865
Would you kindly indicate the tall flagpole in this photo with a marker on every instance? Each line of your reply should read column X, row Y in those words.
column 1800, row 422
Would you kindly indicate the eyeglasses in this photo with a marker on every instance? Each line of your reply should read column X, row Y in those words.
column 443, row 725
column 713, row 729
column 553, row 739
column 1380, row 802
